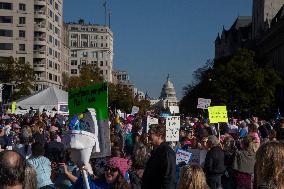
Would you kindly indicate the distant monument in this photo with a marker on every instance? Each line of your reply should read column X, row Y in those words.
column 168, row 95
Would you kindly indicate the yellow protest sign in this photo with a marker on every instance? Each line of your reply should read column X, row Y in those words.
column 13, row 107
column 218, row 114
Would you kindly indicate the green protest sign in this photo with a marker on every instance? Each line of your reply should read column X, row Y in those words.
column 95, row 96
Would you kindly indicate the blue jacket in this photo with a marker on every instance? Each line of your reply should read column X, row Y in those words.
column 42, row 166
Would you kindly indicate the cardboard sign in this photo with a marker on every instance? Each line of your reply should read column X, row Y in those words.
column 13, row 107
column 96, row 96
column 218, row 114
column 172, row 128
column 203, row 103
column 174, row 109
column 182, row 156
column 150, row 121
column 135, row 110
column 198, row 156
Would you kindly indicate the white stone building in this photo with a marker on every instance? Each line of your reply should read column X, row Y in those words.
column 90, row 44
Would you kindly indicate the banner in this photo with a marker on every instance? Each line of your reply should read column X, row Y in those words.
column 13, row 107
column 174, row 109
column 182, row 156
column 218, row 114
column 150, row 121
column 172, row 128
column 135, row 110
column 203, row 103
column 96, row 96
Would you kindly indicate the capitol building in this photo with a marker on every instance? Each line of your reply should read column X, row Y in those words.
column 168, row 96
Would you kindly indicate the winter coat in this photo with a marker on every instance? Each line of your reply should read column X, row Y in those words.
column 214, row 161
column 160, row 171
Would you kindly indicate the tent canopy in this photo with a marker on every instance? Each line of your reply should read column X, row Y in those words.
column 47, row 99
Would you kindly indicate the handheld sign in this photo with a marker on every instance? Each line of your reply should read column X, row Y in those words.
column 95, row 96
column 218, row 114
column 150, row 121
column 182, row 156
column 172, row 128
column 135, row 110
column 13, row 107
column 203, row 103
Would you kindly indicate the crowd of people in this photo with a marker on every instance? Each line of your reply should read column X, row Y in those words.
column 241, row 154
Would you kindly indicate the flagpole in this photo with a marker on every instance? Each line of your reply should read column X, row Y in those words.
column 105, row 5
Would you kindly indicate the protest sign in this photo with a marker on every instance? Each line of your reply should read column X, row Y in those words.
column 218, row 114
column 150, row 121
column 203, row 103
column 135, row 110
column 182, row 156
column 13, row 107
column 172, row 128
column 174, row 109
column 198, row 156
column 95, row 96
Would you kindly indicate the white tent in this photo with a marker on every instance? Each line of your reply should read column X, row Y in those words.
column 48, row 99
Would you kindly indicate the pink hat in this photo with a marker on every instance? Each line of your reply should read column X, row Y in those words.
column 53, row 128
column 120, row 163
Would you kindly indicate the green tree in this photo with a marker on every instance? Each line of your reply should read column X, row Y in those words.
column 19, row 74
column 89, row 75
column 237, row 82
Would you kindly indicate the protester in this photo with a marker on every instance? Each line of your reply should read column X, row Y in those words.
column 30, row 181
column 3, row 138
column 24, row 147
column 161, row 166
column 12, row 170
column 269, row 169
column 42, row 166
column 192, row 177
column 243, row 164
column 214, row 166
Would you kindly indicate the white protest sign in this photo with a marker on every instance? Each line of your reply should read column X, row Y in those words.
column 172, row 128
column 21, row 112
column 135, row 110
column 182, row 156
column 203, row 103
column 174, row 109
column 198, row 156
column 150, row 121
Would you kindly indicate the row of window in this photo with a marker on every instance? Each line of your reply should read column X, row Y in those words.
column 53, row 28
column 84, row 62
column 86, row 44
column 9, row 6
column 87, row 29
column 9, row 20
column 9, row 46
column 56, row 6
column 93, row 54
column 85, row 36
column 9, row 33
column 54, row 16
column 75, row 71
column 53, row 40
column 52, row 77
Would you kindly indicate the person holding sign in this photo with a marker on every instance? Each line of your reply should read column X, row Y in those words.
column 160, row 171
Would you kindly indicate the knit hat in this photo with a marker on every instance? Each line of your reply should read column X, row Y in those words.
column 120, row 163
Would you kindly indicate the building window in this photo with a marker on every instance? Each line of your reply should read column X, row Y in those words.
column 55, row 66
column 85, row 54
column 56, row 6
column 73, row 53
column 6, row 33
column 56, row 30
column 74, row 36
column 102, row 45
column 6, row 19
column 7, row 6
column 6, row 46
column 73, row 62
column 50, row 76
column 22, row 33
column 55, row 42
column 101, row 63
column 106, row 72
column 50, row 51
column 22, row 20
column 22, row 59
column 50, row 39
column 50, row 13
column 83, row 62
column 22, row 7
column 50, row 64
column 101, row 72
column 55, row 77
column 22, row 47
column 106, row 63
column 84, row 36
column 56, row 18
column 51, row 2
column 102, row 37
column 50, row 26
column 73, row 71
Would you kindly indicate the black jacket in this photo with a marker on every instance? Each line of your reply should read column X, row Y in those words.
column 160, row 171
column 214, row 161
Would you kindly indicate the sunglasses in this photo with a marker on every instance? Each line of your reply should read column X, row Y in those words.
column 111, row 169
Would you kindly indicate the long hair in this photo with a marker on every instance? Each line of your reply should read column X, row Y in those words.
column 269, row 165
column 192, row 177
column 30, row 181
